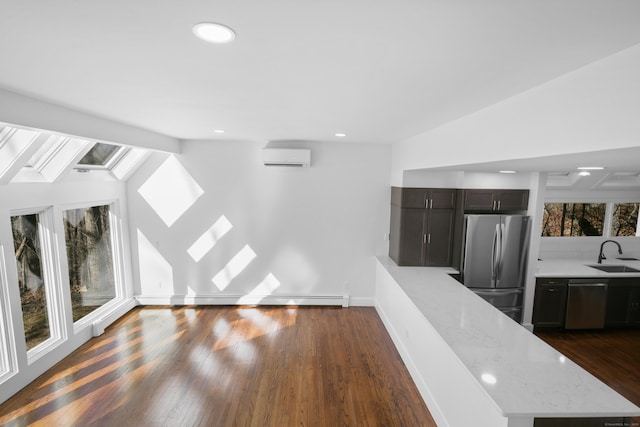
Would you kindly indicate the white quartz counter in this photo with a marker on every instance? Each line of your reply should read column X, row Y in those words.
column 567, row 268
column 523, row 375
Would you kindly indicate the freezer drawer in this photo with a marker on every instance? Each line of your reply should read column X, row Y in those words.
column 586, row 304
column 501, row 297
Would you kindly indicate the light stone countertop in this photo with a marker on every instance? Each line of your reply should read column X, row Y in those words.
column 522, row 374
column 568, row 268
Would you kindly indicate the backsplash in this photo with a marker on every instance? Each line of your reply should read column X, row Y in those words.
column 587, row 248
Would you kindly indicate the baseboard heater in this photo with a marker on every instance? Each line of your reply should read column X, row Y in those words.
column 336, row 300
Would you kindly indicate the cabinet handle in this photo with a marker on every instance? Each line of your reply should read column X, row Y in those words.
column 429, row 238
column 426, row 202
column 493, row 207
column 430, row 203
column 498, row 204
column 551, row 290
column 424, row 239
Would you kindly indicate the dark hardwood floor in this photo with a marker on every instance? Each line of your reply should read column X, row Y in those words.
column 613, row 356
column 228, row 366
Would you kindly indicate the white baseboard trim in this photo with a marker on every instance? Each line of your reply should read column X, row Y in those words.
column 340, row 300
column 362, row 302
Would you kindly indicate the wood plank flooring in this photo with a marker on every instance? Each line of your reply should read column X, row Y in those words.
column 613, row 356
column 228, row 366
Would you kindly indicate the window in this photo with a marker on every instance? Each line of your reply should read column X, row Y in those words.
column 573, row 219
column 624, row 220
column 90, row 258
column 100, row 155
column 33, row 295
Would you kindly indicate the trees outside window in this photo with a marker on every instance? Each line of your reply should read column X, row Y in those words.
column 33, row 297
column 573, row 219
column 625, row 219
column 90, row 258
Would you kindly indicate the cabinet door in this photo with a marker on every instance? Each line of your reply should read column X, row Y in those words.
column 412, row 237
column 550, row 303
column 415, row 198
column 479, row 200
column 439, row 241
column 618, row 305
column 512, row 200
column 634, row 306
column 442, row 198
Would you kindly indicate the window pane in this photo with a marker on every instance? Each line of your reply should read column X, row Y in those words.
column 99, row 154
column 90, row 257
column 625, row 219
column 26, row 241
column 573, row 219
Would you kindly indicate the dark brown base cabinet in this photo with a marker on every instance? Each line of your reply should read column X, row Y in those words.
column 623, row 302
column 622, row 309
column 422, row 226
column 550, row 303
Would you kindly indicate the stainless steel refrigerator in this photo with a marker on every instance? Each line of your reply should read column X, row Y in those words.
column 494, row 259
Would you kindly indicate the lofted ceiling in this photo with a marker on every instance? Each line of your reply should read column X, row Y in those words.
column 376, row 70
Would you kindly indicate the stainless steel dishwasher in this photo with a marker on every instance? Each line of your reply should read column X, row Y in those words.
column 586, row 304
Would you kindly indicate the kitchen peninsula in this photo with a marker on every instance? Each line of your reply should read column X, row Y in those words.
column 475, row 366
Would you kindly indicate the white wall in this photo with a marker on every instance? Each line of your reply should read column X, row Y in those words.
column 311, row 230
column 593, row 108
column 57, row 197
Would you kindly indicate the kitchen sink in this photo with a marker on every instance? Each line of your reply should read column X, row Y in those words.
column 615, row 268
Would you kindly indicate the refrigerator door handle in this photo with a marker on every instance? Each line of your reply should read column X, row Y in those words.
column 500, row 257
column 494, row 255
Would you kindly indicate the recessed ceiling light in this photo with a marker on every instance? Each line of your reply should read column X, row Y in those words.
column 341, row 135
column 213, row 33
column 584, row 173
column 507, row 171
column 590, row 168
column 218, row 131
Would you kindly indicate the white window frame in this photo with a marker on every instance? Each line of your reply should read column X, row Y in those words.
column 610, row 209
column 114, row 160
column 8, row 354
column 51, row 274
column 116, row 235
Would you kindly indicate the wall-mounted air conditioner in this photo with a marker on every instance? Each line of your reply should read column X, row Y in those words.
column 300, row 157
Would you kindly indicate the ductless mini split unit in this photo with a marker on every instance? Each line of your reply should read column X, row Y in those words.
column 296, row 157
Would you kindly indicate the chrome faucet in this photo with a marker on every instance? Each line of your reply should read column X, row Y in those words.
column 601, row 254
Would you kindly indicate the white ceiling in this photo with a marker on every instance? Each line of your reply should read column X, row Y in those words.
column 377, row 70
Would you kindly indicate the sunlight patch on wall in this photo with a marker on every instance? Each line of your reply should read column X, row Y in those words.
column 209, row 238
column 155, row 272
column 235, row 266
column 170, row 191
column 264, row 288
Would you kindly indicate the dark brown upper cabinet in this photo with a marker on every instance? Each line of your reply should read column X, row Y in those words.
column 422, row 226
column 497, row 201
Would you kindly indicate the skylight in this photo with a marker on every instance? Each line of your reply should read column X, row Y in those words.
column 31, row 155
column 99, row 155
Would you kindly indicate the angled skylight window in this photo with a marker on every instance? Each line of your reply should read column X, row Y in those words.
column 99, row 155
column 33, row 155
column 47, row 150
